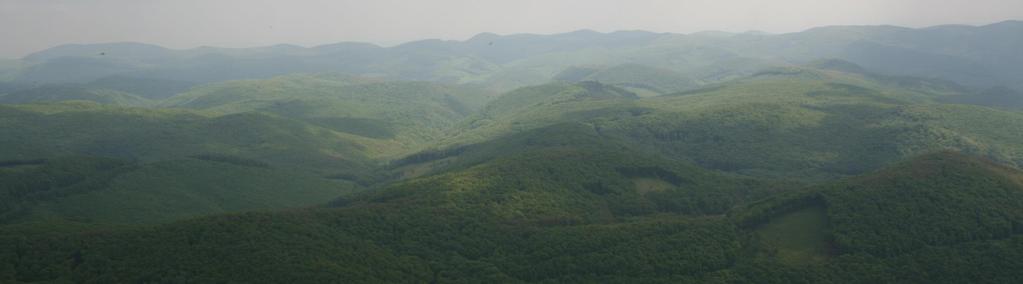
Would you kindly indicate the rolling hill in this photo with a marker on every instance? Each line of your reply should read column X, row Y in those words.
column 61, row 92
column 412, row 239
column 643, row 80
column 116, row 90
column 849, row 154
column 794, row 122
column 93, row 190
column 42, row 131
column 940, row 216
column 409, row 113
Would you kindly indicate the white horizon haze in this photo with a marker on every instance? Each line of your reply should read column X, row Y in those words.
column 29, row 26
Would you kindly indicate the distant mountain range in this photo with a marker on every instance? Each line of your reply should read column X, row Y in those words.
column 982, row 56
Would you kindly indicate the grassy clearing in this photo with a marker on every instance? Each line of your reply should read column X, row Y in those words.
column 647, row 185
column 798, row 238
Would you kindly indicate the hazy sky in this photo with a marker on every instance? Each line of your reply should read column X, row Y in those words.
column 32, row 25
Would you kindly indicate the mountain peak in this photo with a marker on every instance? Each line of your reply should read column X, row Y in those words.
column 486, row 36
column 117, row 49
column 1007, row 23
column 584, row 32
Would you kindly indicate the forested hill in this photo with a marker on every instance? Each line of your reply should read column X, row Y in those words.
column 843, row 154
column 875, row 228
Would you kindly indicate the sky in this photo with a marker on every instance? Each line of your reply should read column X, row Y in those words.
column 27, row 26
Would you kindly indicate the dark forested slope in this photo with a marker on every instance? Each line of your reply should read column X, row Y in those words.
column 471, row 234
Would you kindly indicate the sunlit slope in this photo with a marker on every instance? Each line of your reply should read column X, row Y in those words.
column 409, row 113
column 807, row 125
column 790, row 122
column 538, row 106
column 57, row 93
column 54, row 130
column 113, row 90
column 566, row 173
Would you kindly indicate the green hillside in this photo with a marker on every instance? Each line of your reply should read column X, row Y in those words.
column 55, row 130
column 797, row 125
column 998, row 97
column 538, row 106
column 115, row 90
column 57, row 93
column 110, row 191
column 842, row 154
column 153, row 89
column 951, row 199
column 408, row 113
column 395, row 238
column 568, row 173
column 939, row 217
column 641, row 79
column 791, row 122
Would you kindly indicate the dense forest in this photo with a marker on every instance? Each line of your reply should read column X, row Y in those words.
column 845, row 154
